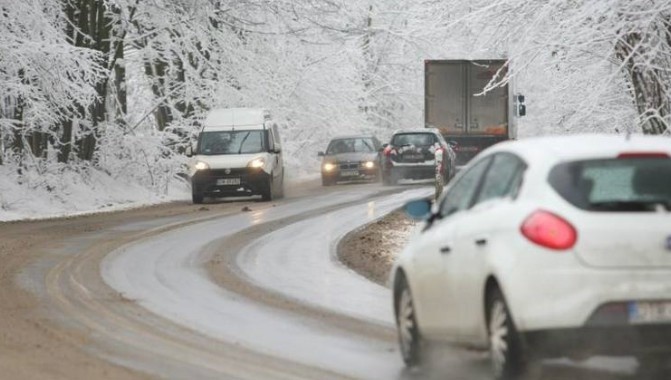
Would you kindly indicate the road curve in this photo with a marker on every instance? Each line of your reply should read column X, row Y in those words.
column 252, row 295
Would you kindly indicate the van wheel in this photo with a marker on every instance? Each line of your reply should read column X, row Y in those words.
column 280, row 191
column 267, row 194
column 197, row 197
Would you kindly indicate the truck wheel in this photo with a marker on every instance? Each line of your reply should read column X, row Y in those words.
column 267, row 194
column 197, row 197
column 505, row 347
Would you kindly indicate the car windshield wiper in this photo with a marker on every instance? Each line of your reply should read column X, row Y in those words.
column 631, row 205
column 243, row 141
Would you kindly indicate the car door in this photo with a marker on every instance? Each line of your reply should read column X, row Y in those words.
column 479, row 228
column 434, row 252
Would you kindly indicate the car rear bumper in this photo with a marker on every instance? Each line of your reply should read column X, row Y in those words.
column 252, row 182
column 408, row 171
column 566, row 295
column 589, row 341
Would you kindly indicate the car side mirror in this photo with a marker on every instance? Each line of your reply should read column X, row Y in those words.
column 419, row 209
column 453, row 143
column 276, row 150
column 383, row 147
column 189, row 151
column 320, row 154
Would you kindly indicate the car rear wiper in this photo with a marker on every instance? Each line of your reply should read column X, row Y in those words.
column 637, row 205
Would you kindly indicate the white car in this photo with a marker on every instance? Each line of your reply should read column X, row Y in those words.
column 545, row 247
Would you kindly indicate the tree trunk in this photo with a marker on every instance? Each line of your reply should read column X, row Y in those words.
column 650, row 85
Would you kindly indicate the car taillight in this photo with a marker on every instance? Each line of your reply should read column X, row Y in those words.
column 549, row 230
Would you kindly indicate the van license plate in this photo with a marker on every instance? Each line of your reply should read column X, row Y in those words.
column 228, row 181
column 650, row 312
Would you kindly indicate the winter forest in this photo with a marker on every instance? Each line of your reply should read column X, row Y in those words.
column 99, row 98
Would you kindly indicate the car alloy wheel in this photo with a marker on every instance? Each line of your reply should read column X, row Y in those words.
column 408, row 333
column 504, row 342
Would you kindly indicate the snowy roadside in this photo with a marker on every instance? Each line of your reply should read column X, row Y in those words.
column 71, row 194
column 371, row 250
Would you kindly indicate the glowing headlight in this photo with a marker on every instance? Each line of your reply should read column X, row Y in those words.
column 256, row 163
column 329, row 166
column 369, row 164
column 200, row 165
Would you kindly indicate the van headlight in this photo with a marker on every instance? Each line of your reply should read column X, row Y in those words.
column 329, row 167
column 200, row 165
column 257, row 163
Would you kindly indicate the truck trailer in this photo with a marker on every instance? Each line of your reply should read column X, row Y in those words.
column 453, row 103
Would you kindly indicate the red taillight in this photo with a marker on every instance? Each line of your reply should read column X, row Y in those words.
column 549, row 230
column 643, row 155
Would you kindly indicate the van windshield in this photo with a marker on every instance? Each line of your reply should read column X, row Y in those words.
column 231, row 142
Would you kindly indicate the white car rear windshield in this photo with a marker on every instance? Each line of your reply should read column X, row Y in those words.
column 619, row 184
column 231, row 142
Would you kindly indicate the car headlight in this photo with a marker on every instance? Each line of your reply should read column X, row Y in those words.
column 200, row 165
column 369, row 164
column 329, row 166
column 257, row 163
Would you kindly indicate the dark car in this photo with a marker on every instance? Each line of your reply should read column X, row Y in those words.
column 411, row 154
column 351, row 158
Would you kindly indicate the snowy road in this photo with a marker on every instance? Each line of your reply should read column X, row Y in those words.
column 246, row 295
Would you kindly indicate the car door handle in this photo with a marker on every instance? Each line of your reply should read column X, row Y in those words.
column 481, row 242
column 445, row 250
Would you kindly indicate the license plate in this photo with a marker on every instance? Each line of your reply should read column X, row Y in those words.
column 650, row 312
column 349, row 173
column 228, row 181
column 413, row 156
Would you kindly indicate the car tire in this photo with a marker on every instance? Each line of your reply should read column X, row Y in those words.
column 327, row 181
column 409, row 338
column 267, row 194
column 505, row 344
column 197, row 197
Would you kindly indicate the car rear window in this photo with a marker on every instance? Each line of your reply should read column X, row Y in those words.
column 618, row 184
column 417, row 139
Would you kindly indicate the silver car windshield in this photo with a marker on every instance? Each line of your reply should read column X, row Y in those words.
column 354, row 145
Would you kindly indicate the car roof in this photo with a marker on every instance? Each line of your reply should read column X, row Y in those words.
column 417, row 130
column 582, row 146
column 346, row 137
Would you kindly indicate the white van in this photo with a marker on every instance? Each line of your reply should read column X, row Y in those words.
column 239, row 153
